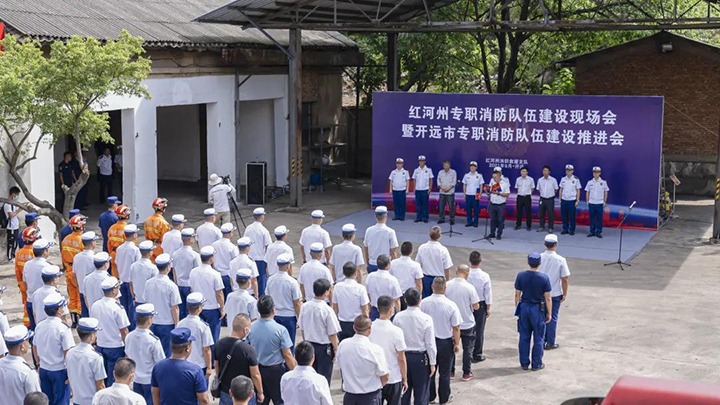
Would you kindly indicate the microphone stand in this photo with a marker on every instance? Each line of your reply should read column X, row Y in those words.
column 487, row 221
column 450, row 232
column 619, row 261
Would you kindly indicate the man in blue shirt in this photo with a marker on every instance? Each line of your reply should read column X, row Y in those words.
column 31, row 219
column 176, row 381
column 272, row 344
column 108, row 218
column 65, row 231
column 533, row 306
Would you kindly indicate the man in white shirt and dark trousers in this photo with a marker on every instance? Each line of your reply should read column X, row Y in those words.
column 13, row 223
column 392, row 340
column 569, row 199
column 481, row 281
column 315, row 234
column 208, row 232
column 127, row 254
column 53, row 338
column 407, row 271
column 114, row 326
column 105, row 175
column 363, row 366
column 120, row 393
column 421, row 350
column 183, row 261
column 463, row 294
column 320, row 327
column 260, row 237
column 86, row 371
column 472, row 188
column 313, row 270
column 218, row 197
column 243, row 261
column 423, row 177
column 276, row 249
column 205, row 280
column 303, row 385
column 399, row 184
column 345, row 252
column 547, row 186
column 446, row 180
column 523, row 202
column 434, row 259
column 172, row 239
column 379, row 239
column 446, row 320
column 499, row 192
column 225, row 252
column 141, row 271
column 382, row 283
column 165, row 297
column 555, row 267
column 145, row 349
column 597, row 193
column 350, row 300
column 285, row 290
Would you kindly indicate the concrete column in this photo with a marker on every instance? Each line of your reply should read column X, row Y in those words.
column 139, row 133
column 221, row 138
column 392, row 61
column 40, row 179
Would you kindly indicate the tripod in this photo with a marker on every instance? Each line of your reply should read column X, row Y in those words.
column 619, row 261
column 487, row 221
column 450, row 232
column 235, row 211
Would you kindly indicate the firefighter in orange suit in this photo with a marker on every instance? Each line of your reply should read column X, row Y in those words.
column 156, row 226
column 71, row 246
column 29, row 235
column 116, row 235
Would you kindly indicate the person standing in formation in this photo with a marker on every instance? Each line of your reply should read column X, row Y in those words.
column 243, row 261
column 260, row 237
column 17, row 378
column 165, row 297
column 83, row 266
column 399, row 183
column 407, row 271
column 345, row 252
column 120, row 393
column 93, row 281
column 116, row 235
column 203, row 343
column 177, row 381
column 156, row 226
column 382, row 283
column 183, row 261
column 205, row 280
column 145, row 349
column 219, row 196
column 483, row 287
column 524, row 186
column 313, row 270
column 276, row 249
column 315, row 234
column 114, row 326
column 285, row 290
column 350, row 300
column 499, row 192
column 50, row 275
column 304, row 385
column 596, row 195
column 320, row 327
column 53, row 338
column 240, row 301
column 71, row 246
column 533, row 307
column 472, row 188
column 127, row 254
column 463, row 294
column 423, row 177
column 172, row 239
column 379, row 239
column 446, row 180
column 391, row 339
column 225, row 252
column 547, row 186
column 434, row 259
column 569, row 199
column 141, row 271
column 66, row 230
column 237, row 358
column 555, row 267
column 86, row 371
column 24, row 255
column 208, row 233
column 32, row 274
column 108, row 218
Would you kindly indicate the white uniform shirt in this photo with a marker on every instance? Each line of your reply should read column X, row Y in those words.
column 445, row 314
column 422, row 178
column 118, row 160
column 392, row 341
column 112, row 318
column 504, row 188
column 203, row 338
column 118, row 394
column 127, row 254
column 463, row 294
column 379, row 239
column 406, row 271
column 218, row 197
column 243, row 261
column 17, row 379
column 318, row 321
column 362, row 363
column 39, row 296
column 171, row 241
column 303, row 385
column 343, row 253
column 14, row 222
column 311, row 271
column 597, row 189
column 105, row 165
column 284, row 290
column 524, row 185
column 399, row 179
column 349, row 296
column 4, row 326
column 418, row 331
column 433, row 258
column 483, row 287
column 381, row 282
column 204, row 279
column 273, row 251
column 146, row 350
column 140, row 272
column 570, row 188
column 91, row 285
column 163, row 294
column 447, row 179
column 473, row 182
column 52, row 339
column 225, row 251
column 32, row 275
column 183, row 261
column 83, row 264
column 84, row 367
column 315, row 234
column 240, row 302
column 547, row 186
column 207, row 234
column 555, row 267
column 261, row 240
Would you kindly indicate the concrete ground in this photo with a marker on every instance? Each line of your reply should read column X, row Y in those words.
column 653, row 319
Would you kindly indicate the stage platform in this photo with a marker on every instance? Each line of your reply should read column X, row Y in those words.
column 520, row 241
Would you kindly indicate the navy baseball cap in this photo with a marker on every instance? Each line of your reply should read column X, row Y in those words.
column 533, row 259
column 73, row 212
column 181, row 336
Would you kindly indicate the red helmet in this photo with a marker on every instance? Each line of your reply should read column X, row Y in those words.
column 159, row 204
column 123, row 211
column 31, row 234
column 77, row 222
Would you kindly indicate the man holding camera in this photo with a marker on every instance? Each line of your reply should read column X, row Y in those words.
column 218, row 197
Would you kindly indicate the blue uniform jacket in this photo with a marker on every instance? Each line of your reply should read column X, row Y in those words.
column 107, row 219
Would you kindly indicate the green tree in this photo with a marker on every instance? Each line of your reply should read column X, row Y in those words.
column 50, row 93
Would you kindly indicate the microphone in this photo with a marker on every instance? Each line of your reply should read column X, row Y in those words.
column 632, row 205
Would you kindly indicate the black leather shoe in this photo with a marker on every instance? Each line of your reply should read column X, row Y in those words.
column 571, row 233
column 417, row 220
column 542, row 366
column 452, row 222
column 599, row 236
column 564, row 233
column 590, row 235
column 475, row 225
column 517, row 227
column 478, row 359
column 525, row 368
column 491, row 236
column 425, row 221
column 552, row 347
column 468, row 225
column 499, row 237
column 442, row 221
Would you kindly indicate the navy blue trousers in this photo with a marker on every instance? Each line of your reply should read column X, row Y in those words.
column 374, row 313
column 84, row 311
column 427, row 286
column 421, row 204
column 551, row 327
column 163, row 333
column 145, row 390
column 371, row 268
column 110, row 356
column 290, row 323
column 399, row 204
column 418, row 378
column 445, row 354
column 531, row 326
column 212, row 317
column 371, row 398
column 262, row 277
column 596, row 218
column 567, row 213
column 55, row 385
column 127, row 302
column 324, row 356
column 472, row 209
column 184, row 292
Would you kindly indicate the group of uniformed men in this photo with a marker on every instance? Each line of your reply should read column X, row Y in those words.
column 498, row 191
column 151, row 313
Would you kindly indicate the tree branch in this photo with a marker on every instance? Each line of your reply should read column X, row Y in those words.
column 34, row 155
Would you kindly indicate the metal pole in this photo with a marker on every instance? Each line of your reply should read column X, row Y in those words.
column 716, row 217
column 392, row 70
column 295, row 117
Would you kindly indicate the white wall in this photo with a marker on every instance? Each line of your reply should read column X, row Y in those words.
column 38, row 177
column 256, row 136
column 178, row 140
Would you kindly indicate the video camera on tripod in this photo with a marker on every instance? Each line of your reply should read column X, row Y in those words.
column 235, row 210
column 226, row 179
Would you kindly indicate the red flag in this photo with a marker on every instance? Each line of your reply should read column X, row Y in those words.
column 2, row 34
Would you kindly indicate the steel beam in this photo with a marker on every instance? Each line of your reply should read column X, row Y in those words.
column 295, row 117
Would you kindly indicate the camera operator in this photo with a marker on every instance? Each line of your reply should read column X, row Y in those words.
column 218, row 197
